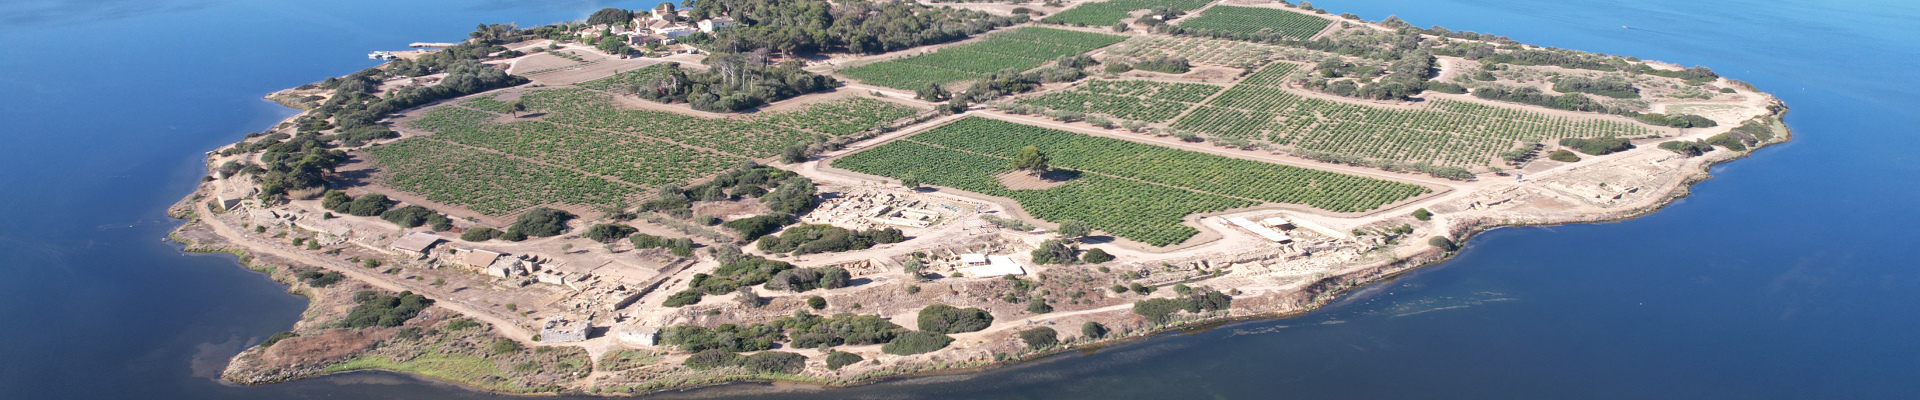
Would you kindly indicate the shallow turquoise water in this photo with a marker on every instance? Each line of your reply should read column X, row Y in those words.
column 1785, row 276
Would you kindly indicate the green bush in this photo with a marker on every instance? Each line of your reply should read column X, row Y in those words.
column 1563, row 155
column 381, row 310
column 754, row 227
column 915, row 343
column 941, row 318
column 414, row 216
column 1598, row 146
column 729, row 337
column 1040, row 338
column 817, row 303
column 506, row 346
column 1054, row 251
column 1096, row 256
column 541, row 222
column 1093, row 330
column 1422, row 214
column 276, row 338
column 607, row 233
column 1038, row 305
column 1441, row 242
column 683, row 298
column 776, row 362
column 1159, row 311
column 810, row 239
column 804, row 279
column 710, row 359
column 1686, row 148
column 838, row 359
column 480, row 234
column 460, row 324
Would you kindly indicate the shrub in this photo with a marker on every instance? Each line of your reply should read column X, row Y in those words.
column 460, row 324
column 1597, row 146
column 714, row 358
column 754, row 227
column 1422, row 214
column 1096, row 256
column 1563, row 155
column 380, row 310
column 1441, row 242
column 1159, row 311
column 480, row 234
column 1093, row 330
column 775, row 362
column 414, row 216
column 1118, row 289
column 1038, row 305
column 1686, row 148
column 1040, row 338
column 817, row 303
column 729, row 337
column 506, row 346
column 1054, row 251
column 838, row 359
column 915, row 343
column 541, row 222
column 276, row 338
column 607, row 233
column 941, row 318
column 683, row 298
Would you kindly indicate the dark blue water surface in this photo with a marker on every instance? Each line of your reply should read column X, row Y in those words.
column 1788, row 275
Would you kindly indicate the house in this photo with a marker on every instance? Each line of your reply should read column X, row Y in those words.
column 415, row 243
column 676, row 31
column 997, row 265
column 708, row 25
column 474, row 258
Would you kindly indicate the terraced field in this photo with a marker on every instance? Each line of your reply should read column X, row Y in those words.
column 1133, row 190
column 1021, row 49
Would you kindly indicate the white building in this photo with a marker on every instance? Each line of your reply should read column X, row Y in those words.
column 997, row 265
column 708, row 25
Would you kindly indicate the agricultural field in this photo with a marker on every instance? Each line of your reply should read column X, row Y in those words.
column 1248, row 20
column 1133, row 190
column 1444, row 133
column 1021, row 49
column 488, row 183
column 1145, row 101
column 1107, row 13
column 1197, row 50
column 587, row 151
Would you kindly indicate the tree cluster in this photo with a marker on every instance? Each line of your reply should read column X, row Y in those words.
column 822, row 238
column 1159, row 311
column 802, row 27
column 941, row 318
column 375, row 309
column 1598, row 146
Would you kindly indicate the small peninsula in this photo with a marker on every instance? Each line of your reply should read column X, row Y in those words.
column 837, row 193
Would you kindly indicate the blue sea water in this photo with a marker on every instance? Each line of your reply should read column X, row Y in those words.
column 1788, row 275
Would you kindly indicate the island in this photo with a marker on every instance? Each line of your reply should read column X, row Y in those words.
column 836, row 193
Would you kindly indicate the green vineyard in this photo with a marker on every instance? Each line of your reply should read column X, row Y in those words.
column 485, row 182
column 1444, row 132
column 1107, row 13
column 1196, row 49
column 1132, row 100
column 1021, row 49
column 1223, row 18
column 1133, row 190
column 583, row 139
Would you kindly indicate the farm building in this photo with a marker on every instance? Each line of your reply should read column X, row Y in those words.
column 415, row 243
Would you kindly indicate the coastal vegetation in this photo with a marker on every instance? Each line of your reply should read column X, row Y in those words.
column 802, row 27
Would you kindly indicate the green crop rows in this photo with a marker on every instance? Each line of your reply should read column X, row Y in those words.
column 1107, row 13
column 1251, row 20
column 1021, row 49
column 1135, row 100
column 1446, row 133
column 583, row 139
column 1150, row 189
column 488, row 183
column 1152, row 213
column 1196, row 49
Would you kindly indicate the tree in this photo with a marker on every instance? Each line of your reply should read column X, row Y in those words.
column 541, row 222
column 912, row 343
column 1038, row 305
column 516, row 107
column 838, row 359
column 1422, row 214
column 506, row 346
column 1030, row 159
column 1442, row 243
column 1040, row 338
column 609, row 16
column 910, row 181
column 1075, row 229
column 1093, row 330
column 817, row 303
column 912, row 267
column 932, row 92
column 941, row 318
column 1096, row 256
column 793, row 154
column 1120, row 27
column 1054, row 251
